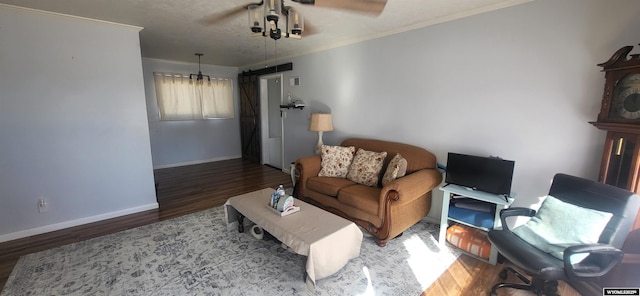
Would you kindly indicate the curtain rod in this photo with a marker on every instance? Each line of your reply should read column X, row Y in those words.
column 184, row 75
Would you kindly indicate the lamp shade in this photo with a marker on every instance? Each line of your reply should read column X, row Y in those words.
column 320, row 122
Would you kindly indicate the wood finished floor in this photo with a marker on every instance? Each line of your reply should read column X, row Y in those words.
column 189, row 189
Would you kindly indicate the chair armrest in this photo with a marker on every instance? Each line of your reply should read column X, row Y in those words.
column 631, row 258
column 601, row 259
column 517, row 211
column 412, row 186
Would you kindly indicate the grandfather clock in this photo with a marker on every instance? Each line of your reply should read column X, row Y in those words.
column 620, row 117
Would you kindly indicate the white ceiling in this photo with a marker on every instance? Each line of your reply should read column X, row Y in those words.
column 175, row 30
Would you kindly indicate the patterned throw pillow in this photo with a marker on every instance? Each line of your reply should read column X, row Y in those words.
column 366, row 166
column 397, row 168
column 336, row 161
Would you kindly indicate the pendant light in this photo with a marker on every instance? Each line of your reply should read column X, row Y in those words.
column 199, row 77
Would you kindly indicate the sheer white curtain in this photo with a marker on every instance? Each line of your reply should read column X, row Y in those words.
column 217, row 98
column 181, row 98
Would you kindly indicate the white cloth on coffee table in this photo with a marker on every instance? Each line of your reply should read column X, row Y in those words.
column 328, row 241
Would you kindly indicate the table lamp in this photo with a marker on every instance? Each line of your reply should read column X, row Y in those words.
column 320, row 122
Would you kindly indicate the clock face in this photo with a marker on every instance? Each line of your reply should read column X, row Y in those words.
column 626, row 98
column 630, row 108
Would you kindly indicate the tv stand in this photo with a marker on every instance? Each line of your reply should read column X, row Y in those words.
column 500, row 202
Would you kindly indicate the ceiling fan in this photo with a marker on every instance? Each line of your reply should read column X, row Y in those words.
column 266, row 23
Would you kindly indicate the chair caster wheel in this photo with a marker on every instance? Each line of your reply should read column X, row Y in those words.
column 551, row 288
column 503, row 274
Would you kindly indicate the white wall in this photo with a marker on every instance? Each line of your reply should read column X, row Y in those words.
column 520, row 82
column 73, row 124
column 187, row 142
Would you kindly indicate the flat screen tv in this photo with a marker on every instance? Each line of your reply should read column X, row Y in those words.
column 488, row 174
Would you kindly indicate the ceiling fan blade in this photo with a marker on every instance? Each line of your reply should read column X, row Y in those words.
column 309, row 30
column 219, row 17
column 365, row 6
column 227, row 14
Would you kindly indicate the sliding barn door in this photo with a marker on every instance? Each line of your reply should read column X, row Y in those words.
column 249, row 117
column 249, row 85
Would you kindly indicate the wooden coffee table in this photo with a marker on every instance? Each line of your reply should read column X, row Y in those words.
column 328, row 241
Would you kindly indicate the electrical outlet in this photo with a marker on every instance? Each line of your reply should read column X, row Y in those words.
column 43, row 205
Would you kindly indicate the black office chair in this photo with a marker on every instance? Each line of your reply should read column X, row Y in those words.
column 546, row 270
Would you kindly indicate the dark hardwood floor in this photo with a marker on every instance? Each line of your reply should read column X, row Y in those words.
column 188, row 189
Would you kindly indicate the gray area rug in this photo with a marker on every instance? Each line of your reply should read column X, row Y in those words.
column 198, row 255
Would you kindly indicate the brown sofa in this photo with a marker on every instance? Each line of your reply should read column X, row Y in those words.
column 383, row 211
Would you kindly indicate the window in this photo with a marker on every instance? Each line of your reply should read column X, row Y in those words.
column 181, row 98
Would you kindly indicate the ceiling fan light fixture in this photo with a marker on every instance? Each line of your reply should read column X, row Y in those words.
column 265, row 23
column 272, row 10
column 295, row 22
column 256, row 18
column 276, row 33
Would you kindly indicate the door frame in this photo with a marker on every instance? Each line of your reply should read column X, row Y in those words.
column 264, row 117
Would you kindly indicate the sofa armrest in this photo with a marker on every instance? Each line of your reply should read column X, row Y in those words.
column 307, row 167
column 410, row 187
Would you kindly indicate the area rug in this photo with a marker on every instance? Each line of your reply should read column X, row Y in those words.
column 198, row 254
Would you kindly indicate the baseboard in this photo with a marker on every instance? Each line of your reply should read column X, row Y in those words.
column 73, row 223
column 172, row 165
column 432, row 220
